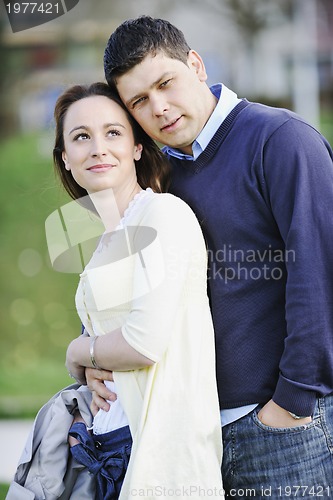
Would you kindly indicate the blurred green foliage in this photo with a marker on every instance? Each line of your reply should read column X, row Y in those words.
column 3, row 490
column 326, row 125
column 38, row 317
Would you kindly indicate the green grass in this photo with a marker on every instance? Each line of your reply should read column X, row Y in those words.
column 3, row 490
column 25, row 392
column 38, row 317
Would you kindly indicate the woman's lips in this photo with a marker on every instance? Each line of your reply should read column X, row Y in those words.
column 100, row 168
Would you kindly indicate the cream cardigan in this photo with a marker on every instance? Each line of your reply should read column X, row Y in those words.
column 150, row 280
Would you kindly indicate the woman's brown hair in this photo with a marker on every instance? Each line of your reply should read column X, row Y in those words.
column 152, row 169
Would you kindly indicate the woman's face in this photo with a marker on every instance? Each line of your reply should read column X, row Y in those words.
column 99, row 145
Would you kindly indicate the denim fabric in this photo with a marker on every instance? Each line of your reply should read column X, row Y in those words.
column 261, row 461
column 106, row 456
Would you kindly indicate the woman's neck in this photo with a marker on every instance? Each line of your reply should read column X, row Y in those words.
column 111, row 204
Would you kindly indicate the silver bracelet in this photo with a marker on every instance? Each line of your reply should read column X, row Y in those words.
column 92, row 352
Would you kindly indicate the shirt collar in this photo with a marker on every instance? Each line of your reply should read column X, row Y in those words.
column 227, row 100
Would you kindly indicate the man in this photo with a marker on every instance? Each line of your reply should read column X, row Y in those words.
column 260, row 181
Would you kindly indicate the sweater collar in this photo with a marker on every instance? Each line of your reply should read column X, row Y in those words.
column 215, row 142
column 227, row 100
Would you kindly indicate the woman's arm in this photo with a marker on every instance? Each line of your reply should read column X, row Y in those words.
column 162, row 269
column 111, row 352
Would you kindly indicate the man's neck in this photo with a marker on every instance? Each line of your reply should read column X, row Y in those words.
column 211, row 105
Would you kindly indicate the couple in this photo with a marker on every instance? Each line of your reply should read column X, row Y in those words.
column 260, row 182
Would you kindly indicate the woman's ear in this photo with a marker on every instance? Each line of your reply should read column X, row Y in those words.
column 138, row 151
column 64, row 159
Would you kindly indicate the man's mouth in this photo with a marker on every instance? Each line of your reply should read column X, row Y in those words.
column 169, row 127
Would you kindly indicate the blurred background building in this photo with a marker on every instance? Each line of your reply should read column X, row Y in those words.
column 280, row 52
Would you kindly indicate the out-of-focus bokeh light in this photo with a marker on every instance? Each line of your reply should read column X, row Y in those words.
column 55, row 315
column 30, row 262
column 23, row 311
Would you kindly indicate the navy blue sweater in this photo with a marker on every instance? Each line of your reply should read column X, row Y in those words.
column 263, row 193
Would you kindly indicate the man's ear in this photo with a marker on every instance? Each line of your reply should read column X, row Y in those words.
column 195, row 62
column 64, row 159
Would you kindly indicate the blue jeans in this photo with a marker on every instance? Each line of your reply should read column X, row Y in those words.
column 261, row 461
column 106, row 457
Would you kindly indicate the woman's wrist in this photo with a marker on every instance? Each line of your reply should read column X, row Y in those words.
column 74, row 363
column 92, row 352
column 78, row 352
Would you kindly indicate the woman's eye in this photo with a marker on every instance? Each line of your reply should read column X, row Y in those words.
column 81, row 136
column 113, row 132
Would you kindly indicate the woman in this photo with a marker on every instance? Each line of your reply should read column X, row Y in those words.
column 142, row 299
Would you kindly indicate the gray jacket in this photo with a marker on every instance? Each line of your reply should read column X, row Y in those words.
column 46, row 469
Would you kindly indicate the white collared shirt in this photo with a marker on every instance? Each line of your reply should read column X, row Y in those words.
column 227, row 100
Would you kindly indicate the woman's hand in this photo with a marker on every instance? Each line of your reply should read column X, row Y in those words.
column 95, row 381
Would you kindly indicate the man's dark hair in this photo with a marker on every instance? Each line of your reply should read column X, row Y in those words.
column 134, row 39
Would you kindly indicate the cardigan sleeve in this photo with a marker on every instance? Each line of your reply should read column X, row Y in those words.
column 168, row 270
column 298, row 173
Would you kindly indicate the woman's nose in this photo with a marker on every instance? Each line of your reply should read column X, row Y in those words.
column 98, row 147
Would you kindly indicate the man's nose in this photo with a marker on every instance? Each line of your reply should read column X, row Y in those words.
column 159, row 105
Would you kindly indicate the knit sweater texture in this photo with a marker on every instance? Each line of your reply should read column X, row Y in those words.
column 263, row 193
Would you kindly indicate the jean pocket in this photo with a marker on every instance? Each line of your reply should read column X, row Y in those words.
column 281, row 430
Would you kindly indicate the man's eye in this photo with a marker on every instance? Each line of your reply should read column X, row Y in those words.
column 138, row 101
column 165, row 83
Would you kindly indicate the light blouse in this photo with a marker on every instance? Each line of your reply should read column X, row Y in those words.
column 149, row 278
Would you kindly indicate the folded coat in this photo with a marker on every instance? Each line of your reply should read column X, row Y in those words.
column 46, row 469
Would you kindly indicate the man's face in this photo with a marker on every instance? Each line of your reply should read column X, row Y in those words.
column 168, row 98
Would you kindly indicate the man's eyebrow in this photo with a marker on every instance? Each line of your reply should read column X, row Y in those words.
column 156, row 82
column 106, row 125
